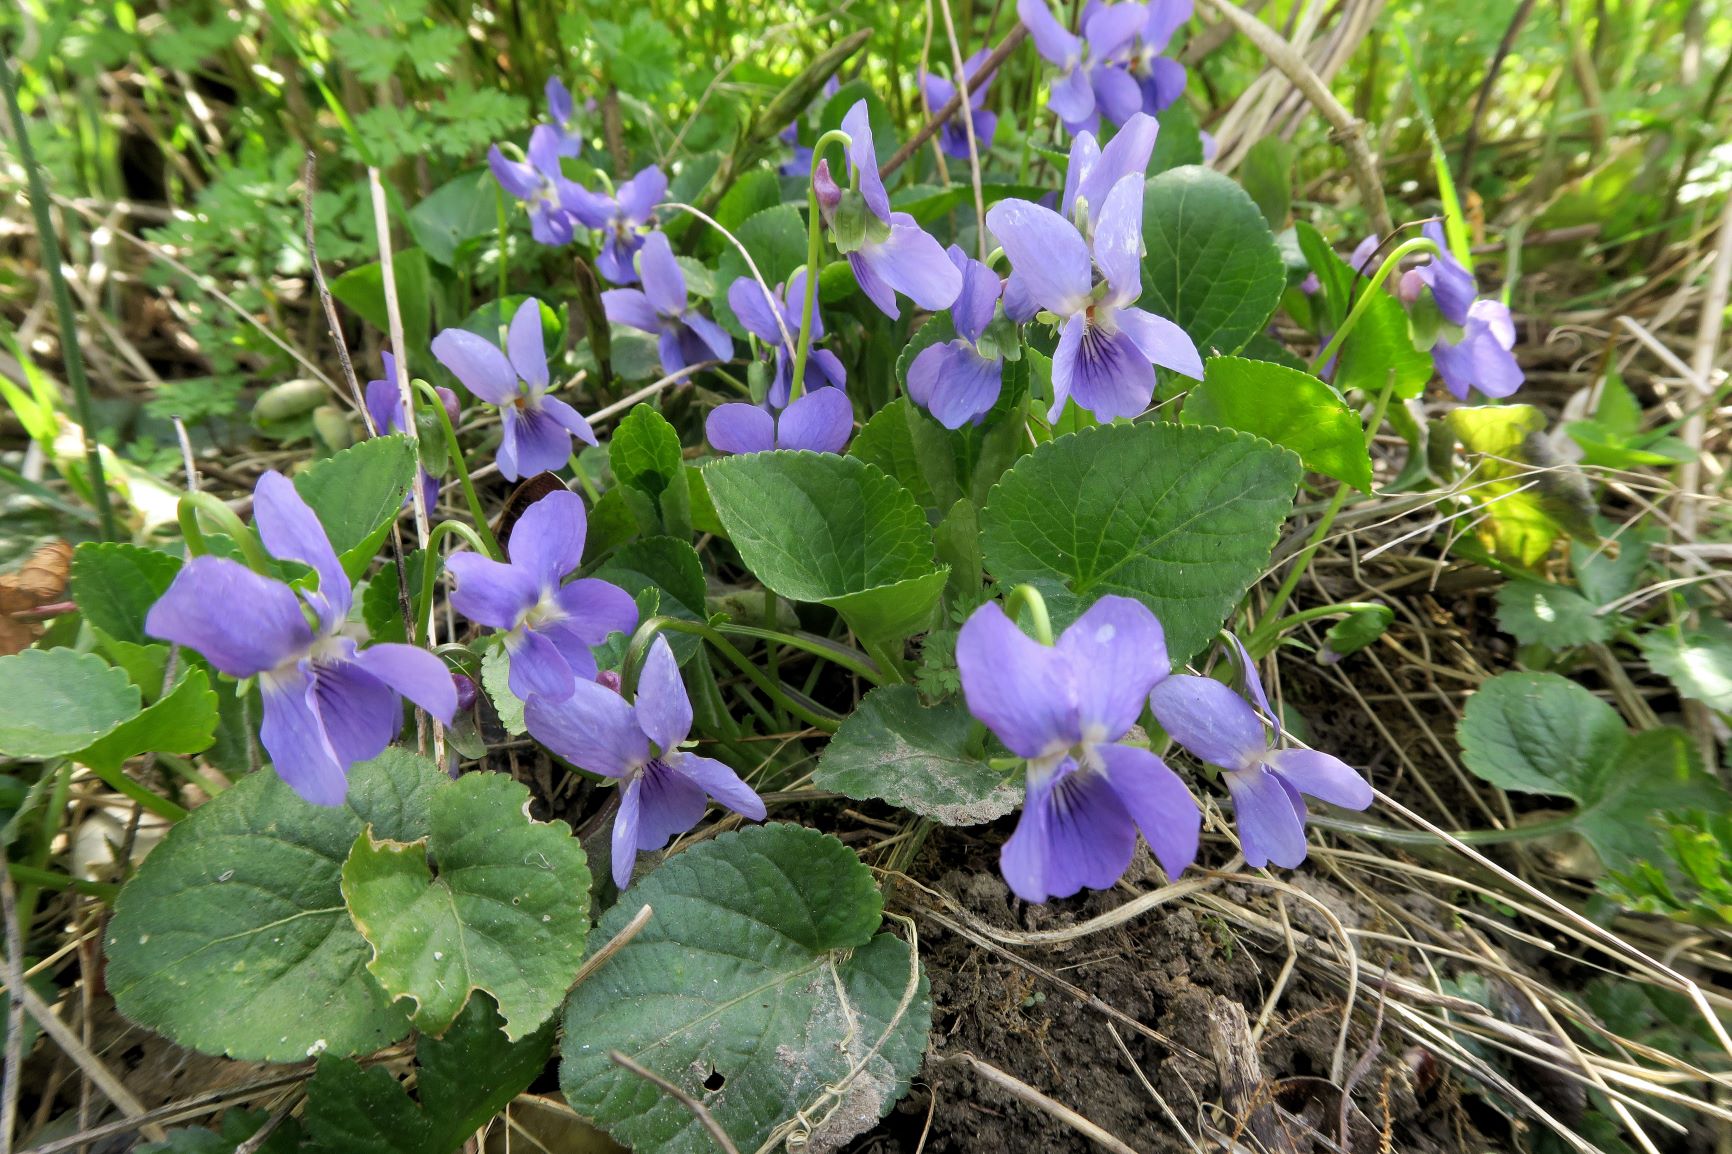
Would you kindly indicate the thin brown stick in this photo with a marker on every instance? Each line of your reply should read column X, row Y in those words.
column 112, row 1088
column 968, row 127
column 963, row 91
column 690, row 1103
column 618, row 942
column 309, row 182
column 15, row 1008
column 1470, row 143
column 1022, row 1090
column 1348, row 131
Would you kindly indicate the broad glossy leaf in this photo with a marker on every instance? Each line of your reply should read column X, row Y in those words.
column 1541, row 733
column 1179, row 142
column 1293, row 409
column 834, row 530
column 1698, row 662
column 184, row 721
column 921, row 757
column 233, row 937
column 1543, row 613
column 759, row 972
column 506, row 914
column 645, row 451
column 363, row 289
column 1181, row 518
column 1210, row 262
column 115, row 584
column 670, row 567
column 57, row 701
column 357, row 494
column 1267, row 174
column 463, row 1079
column 456, row 212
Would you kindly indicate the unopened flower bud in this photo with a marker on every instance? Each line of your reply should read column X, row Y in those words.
column 465, row 691
column 609, row 679
column 829, row 192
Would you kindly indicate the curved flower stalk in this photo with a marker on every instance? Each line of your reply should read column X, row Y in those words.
column 1094, row 79
column 538, row 428
column 1475, row 352
column 1064, row 708
column 758, row 312
column 1107, row 346
column 385, row 406
column 821, row 421
column 953, row 137
column 625, row 219
column 685, row 336
column 663, row 789
column 562, row 111
column 1220, row 727
column 556, row 204
column 958, row 381
column 328, row 703
column 887, row 250
column 548, row 627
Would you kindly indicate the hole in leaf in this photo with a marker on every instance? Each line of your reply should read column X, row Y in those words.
column 716, row 1080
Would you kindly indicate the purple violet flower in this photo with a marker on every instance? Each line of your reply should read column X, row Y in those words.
column 1220, row 727
column 955, row 380
column 538, row 428
column 686, row 337
column 1107, row 346
column 549, row 627
column 821, row 421
column 896, row 255
column 953, row 137
column 1160, row 78
column 758, row 312
column 555, row 202
column 385, row 406
column 625, row 218
column 563, row 113
column 1479, row 356
column 1064, row 709
column 1091, row 83
column 662, row 787
column 327, row 702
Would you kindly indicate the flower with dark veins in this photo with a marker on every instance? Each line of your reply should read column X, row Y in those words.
column 624, row 218
column 663, row 788
column 548, row 627
column 1089, row 62
column 1064, row 708
column 328, row 703
column 684, row 335
column 1220, row 727
column 538, row 428
column 958, row 381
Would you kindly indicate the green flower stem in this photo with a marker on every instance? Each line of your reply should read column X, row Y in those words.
column 1027, row 596
column 786, row 698
column 192, row 504
column 50, row 880
column 455, row 453
column 120, row 783
column 1378, row 832
column 69, row 348
column 504, row 225
column 1339, row 609
column 887, row 660
column 430, row 570
column 814, row 230
column 850, row 659
column 1390, row 263
column 1264, row 637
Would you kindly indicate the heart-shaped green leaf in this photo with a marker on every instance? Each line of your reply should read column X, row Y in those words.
column 834, row 530
column 1181, row 518
column 115, row 584
column 357, row 494
column 759, row 988
column 1210, row 263
column 233, row 937
column 57, row 701
column 920, row 757
column 1293, row 409
column 507, row 912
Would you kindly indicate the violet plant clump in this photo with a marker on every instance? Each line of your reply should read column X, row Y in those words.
column 684, row 336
